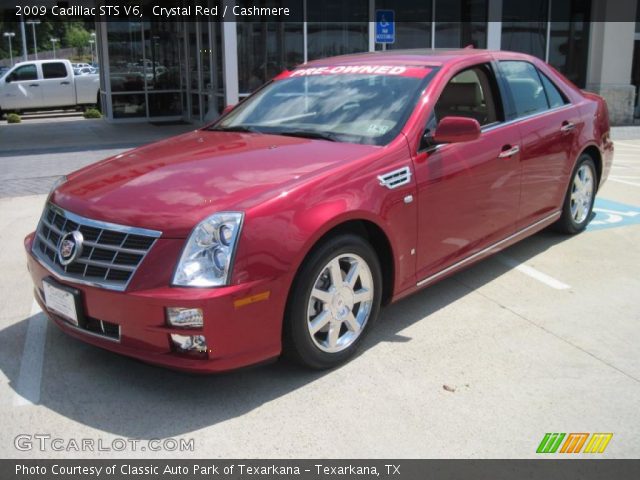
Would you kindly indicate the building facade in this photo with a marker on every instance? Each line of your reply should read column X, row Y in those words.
column 154, row 70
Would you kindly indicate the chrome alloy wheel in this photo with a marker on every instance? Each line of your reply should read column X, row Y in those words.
column 340, row 303
column 581, row 193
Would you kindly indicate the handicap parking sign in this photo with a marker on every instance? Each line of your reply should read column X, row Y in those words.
column 385, row 26
column 610, row 214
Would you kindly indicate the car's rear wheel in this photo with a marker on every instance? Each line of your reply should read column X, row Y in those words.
column 334, row 301
column 578, row 203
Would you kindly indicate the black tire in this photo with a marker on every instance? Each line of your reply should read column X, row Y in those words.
column 299, row 344
column 567, row 223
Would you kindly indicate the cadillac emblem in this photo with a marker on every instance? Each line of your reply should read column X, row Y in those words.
column 70, row 247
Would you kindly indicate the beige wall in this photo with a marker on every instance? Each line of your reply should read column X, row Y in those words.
column 610, row 57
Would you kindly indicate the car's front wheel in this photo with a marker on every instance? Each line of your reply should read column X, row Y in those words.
column 578, row 203
column 334, row 302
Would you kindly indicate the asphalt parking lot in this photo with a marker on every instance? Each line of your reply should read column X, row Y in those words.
column 540, row 338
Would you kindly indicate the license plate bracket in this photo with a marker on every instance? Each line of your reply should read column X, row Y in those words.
column 64, row 301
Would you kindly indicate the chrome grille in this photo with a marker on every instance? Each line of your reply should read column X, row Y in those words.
column 110, row 255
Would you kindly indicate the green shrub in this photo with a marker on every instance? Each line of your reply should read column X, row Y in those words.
column 13, row 118
column 92, row 113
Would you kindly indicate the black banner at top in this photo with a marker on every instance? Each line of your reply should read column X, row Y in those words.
column 340, row 11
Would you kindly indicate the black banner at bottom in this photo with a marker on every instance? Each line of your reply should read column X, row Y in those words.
column 321, row 469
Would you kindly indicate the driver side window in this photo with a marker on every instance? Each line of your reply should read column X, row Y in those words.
column 24, row 73
column 470, row 94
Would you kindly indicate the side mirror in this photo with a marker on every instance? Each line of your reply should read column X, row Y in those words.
column 456, row 129
column 227, row 109
column 9, row 78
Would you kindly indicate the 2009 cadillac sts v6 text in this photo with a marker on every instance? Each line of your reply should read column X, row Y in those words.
column 342, row 185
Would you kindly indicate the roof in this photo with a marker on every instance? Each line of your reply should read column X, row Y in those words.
column 418, row 56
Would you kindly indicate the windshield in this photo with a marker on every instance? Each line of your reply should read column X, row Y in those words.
column 355, row 108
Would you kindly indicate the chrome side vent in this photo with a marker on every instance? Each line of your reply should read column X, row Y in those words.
column 396, row 178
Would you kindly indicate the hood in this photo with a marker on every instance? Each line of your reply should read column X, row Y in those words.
column 173, row 184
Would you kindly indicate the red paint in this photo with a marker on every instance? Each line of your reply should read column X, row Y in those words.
column 295, row 190
column 456, row 130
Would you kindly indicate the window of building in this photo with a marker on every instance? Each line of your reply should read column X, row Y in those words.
column 54, row 70
column 25, row 73
column 527, row 91
column 521, row 35
column 267, row 48
column 554, row 95
column 327, row 38
column 569, row 38
column 415, row 33
column 126, row 72
column 471, row 94
column 460, row 23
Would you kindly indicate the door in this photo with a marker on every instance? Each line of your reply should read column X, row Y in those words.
column 549, row 125
column 468, row 192
column 22, row 89
column 57, row 85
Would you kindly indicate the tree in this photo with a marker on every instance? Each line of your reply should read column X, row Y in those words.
column 77, row 37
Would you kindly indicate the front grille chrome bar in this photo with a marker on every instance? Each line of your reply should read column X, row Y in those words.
column 110, row 254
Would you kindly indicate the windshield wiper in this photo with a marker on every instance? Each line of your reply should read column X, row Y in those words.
column 307, row 134
column 236, row 128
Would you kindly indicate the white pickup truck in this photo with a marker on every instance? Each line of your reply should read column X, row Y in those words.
column 46, row 84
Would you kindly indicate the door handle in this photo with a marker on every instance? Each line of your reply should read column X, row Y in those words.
column 508, row 151
column 567, row 126
column 34, row 85
column 64, row 83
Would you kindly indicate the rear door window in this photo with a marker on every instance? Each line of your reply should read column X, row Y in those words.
column 54, row 70
column 528, row 93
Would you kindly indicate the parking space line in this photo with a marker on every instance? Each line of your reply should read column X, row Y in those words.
column 626, row 182
column 28, row 384
column 532, row 272
column 625, row 144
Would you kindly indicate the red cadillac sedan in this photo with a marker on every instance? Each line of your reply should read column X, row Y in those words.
column 340, row 186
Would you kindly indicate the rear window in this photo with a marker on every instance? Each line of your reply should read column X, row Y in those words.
column 555, row 97
column 54, row 70
column 526, row 87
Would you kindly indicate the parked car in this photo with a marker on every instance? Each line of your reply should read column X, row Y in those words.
column 343, row 185
column 46, row 84
column 84, row 71
column 3, row 70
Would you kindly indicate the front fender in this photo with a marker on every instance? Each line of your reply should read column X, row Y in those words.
column 279, row 234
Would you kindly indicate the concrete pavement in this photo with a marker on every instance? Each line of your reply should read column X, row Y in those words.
column 29, row 167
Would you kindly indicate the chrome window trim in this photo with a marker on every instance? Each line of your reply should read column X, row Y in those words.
column 486, row 250
column 495, row 126
column 526, row 117
column 84, row 221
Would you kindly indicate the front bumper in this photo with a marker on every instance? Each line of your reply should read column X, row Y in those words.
column 239, row 332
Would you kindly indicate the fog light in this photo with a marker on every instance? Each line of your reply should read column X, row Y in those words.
column 189, row 343
column 184, row 317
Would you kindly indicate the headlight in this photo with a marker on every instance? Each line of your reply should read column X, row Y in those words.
column 207, row 257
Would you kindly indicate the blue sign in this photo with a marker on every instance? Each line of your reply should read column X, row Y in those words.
column 385, row 26
column 610, row 214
